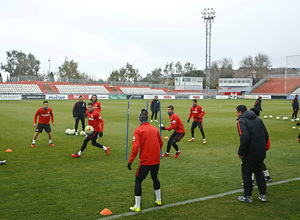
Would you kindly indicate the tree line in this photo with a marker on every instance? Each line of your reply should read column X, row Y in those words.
column 19, row 63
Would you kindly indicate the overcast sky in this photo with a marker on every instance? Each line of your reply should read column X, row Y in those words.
column 102, row 35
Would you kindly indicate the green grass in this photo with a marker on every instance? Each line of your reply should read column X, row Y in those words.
column 47, row 183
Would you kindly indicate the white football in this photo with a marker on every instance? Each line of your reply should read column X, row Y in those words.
column 277, row 117
column 161, row 125
column 294, row 127
column 297, row 119
column 270, row 116
column 265, row 116
column 82, row 133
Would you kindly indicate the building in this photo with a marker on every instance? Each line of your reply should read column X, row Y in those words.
column 188, row 83
column 235, row 85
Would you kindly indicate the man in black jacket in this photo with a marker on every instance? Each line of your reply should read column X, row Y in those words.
column 154, row 108
column 257, row 104
column 79, row 112
column 253, row 141
column 295, row 105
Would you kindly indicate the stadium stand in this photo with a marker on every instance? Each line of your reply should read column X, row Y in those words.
column 296, row 92
column 277, row 86
column 21, row 88
column 135, row 90
column 82, row 89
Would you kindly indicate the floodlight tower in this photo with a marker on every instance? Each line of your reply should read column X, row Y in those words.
column 208, row 15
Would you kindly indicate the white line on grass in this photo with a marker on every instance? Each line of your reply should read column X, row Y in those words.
column 192, row 200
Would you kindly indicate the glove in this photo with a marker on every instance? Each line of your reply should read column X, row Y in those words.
column 198, row 117
column 163, row 128
column 100, row 133
column 129, row 166
column 188, row 121
column 298, row 124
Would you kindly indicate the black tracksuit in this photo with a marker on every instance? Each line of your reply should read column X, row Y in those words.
column 154, row 108
column 257, row 105
column 253, row 141
column 79, row 111
column 295, row 105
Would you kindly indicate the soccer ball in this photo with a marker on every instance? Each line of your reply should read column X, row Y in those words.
column 270, row 116
column 82, row 133
column 67, row 131
column 89, row 130
column 294, row 127
column 277, row 117
column 285, row 118
column 161, row 125
column 265, row 116
column 297, row 119
column 72, row 131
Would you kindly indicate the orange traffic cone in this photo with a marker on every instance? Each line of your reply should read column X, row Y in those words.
column 9, row 150
column 105, row 211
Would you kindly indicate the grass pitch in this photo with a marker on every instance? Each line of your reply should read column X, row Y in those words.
column 45, row 182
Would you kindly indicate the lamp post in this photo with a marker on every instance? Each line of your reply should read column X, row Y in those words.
column 208, row 15
column 285, row 72
column 49, row 66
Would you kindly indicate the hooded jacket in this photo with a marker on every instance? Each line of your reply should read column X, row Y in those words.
column 253, row 136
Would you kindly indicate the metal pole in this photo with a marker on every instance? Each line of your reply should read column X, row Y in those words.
column 127, row 130
column 160, row 126
column 285, row 72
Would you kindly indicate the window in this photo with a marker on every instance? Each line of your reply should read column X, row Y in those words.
column 225, row 81
column 188, row 79
column 243, row 81
column 193, row 79
column 238, row 81
column 221, row 81
column 247, row 81
column 229, row 81
column 234, row 81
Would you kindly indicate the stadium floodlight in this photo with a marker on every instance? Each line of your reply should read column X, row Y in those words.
column 49, row 66
column 286, row 66
column 208, row 15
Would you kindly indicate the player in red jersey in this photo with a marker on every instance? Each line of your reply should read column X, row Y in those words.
column 147, row 140
column 178, row 134
column 94, row 120
column 197, row 112
column 44, row 113
column 96, row 104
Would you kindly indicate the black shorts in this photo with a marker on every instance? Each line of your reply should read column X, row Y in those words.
column 197, row 123
column 41, row 127
column 143, row 171
column 176, row 136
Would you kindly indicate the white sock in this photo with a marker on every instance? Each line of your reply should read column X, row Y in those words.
column 266, row 173
column 79, row 153
column 50, row 141
column 104, row 148
column 193, row 138
column 204, row 139
column 158, row 195
column 178, row 151
column 33, row 141
column 252, row 176
column 137, row 202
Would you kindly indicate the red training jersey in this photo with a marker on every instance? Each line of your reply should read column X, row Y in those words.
column 97, row 106
column 176, row 124
column 95, row 120
column 197, row 112
column 146, row 138
column 44, row 116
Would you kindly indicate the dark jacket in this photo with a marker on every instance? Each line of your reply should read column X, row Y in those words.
column 155, row 105
column 79, row 109
column 253, row 136
column 257, row 104
column 295, row 103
